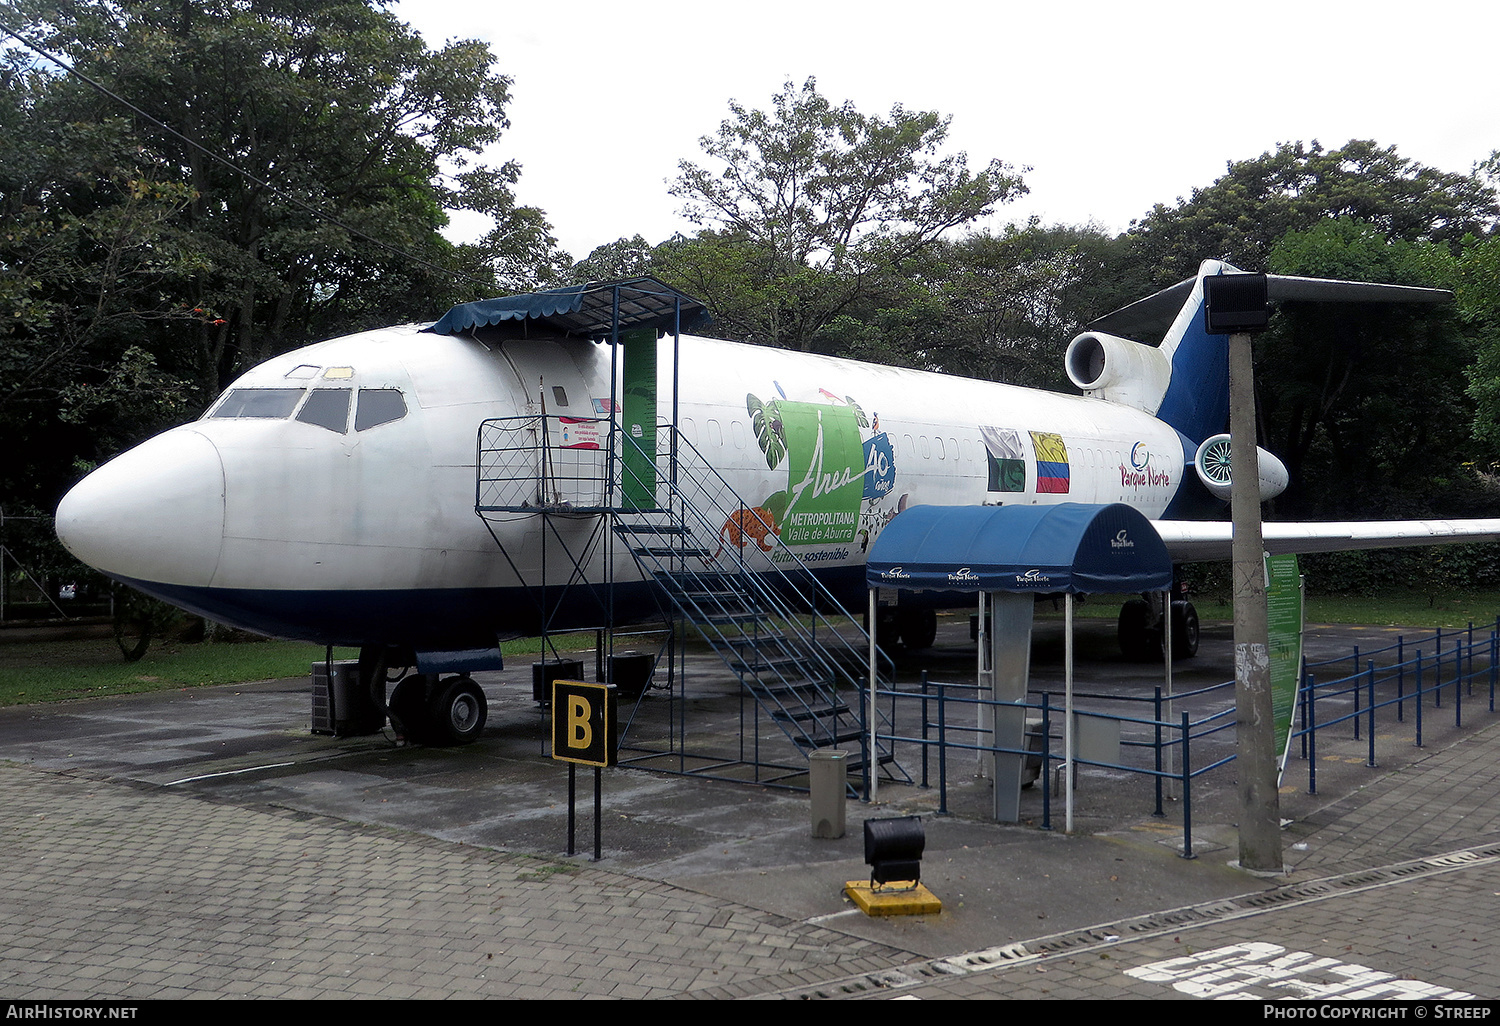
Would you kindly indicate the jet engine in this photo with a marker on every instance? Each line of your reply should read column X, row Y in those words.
column 1212, row 464
column 1119, row 370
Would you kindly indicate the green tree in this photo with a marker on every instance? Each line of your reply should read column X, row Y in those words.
column 249, row 176
column 1365, row 403
column 809, row 208
column 1242, row 216
column 349, row 139
column 1476, row 287
column 1012, row 301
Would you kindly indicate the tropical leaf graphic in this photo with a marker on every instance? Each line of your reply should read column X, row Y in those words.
column 765, row 421
column 859, row 413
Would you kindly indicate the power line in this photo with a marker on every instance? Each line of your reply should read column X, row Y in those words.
column 309, row 208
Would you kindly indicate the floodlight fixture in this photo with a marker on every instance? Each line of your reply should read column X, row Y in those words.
column 1234, row 303
column 893, row 849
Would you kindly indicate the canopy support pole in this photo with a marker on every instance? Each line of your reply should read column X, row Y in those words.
column 1166, row 652
column 872, row 775
column 1067, row 710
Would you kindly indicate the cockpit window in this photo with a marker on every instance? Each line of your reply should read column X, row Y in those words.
column 303, row 372
column 378, row 406
column 260, row 403
column 327, row 408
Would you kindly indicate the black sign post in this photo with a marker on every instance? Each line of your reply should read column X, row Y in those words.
column 584, row 730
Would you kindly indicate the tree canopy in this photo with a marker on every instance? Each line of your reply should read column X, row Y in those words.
column 808, row 208
column 239, row 178
column 1241, row 216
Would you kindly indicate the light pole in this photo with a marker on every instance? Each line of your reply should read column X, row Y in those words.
column 1236, row 305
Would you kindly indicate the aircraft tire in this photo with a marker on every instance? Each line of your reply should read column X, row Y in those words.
column 409, row 705
column 1138, row 640
column 457, row 713
column 1184, row 630
column 918, row 627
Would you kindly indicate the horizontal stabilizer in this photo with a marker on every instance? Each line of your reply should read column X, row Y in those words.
column 1191, row 540
column 1152, row 316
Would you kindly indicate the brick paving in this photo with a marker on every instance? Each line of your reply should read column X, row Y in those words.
column 112, row 890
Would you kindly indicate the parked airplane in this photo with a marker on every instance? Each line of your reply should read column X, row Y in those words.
column 329, row 494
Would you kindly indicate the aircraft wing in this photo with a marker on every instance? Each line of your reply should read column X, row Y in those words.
column 1190, row 540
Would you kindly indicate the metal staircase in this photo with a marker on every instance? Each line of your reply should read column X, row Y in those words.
column 776, row 627
column 716, row 561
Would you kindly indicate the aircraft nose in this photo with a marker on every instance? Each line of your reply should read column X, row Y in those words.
column 154, row 513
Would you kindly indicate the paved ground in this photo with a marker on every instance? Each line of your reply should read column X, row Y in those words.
column 203, row 844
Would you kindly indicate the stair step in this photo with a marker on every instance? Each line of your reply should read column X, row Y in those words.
column 767, row 637
column 705, row 577
column 724, row 618
column 652, row 529
column 801, row 690
column 719, row 598
column 803, row 715
column 687, row 552
column 855, row 765
column 786, row 662
column 820, row 739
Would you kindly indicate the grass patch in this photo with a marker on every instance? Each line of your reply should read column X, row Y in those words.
column 53, row 671
column 56, row 671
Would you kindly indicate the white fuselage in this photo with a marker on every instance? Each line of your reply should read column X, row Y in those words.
column 304, row 525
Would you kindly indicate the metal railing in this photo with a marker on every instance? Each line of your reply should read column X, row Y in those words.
column 1403, row 682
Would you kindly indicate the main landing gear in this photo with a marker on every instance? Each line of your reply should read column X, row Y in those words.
column 442, row 711
column 425, row 708
column 1141, row 623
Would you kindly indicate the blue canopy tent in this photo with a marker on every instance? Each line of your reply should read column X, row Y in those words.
column 1068, row 549
column 1071, row 548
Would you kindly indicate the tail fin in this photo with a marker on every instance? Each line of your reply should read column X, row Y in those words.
column 1196, row 402
column 1185, row 380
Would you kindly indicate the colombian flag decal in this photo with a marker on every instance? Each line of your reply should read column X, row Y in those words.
column 1051, row 462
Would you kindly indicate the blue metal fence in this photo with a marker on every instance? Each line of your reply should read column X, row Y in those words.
column 1425, row 670
column 1398, row 681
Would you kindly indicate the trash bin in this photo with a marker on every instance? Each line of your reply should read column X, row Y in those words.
column 630, row 673
column 1033, row 767
column 827, row 779
column 543, row 674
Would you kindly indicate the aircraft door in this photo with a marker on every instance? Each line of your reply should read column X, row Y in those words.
column 564, row 449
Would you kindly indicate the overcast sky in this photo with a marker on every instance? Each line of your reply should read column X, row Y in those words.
column 1114, row 106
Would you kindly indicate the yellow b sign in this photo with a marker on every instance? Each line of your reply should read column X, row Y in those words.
column 583, row 722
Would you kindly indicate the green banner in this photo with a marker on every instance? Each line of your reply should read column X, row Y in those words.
column 825, row 473
column 638, row 419
column 1284, row 623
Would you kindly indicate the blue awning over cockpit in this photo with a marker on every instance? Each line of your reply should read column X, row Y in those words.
column 1070, row 547
column 594, row 310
